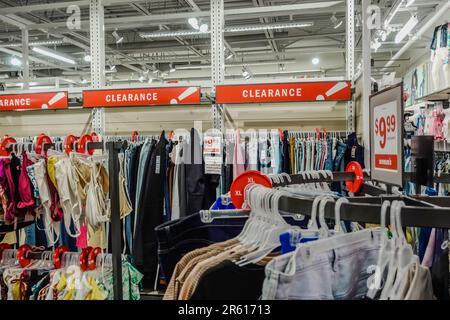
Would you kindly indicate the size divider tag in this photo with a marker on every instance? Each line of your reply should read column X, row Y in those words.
column 213, row 154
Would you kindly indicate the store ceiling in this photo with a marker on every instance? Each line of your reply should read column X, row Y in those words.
column 281, row 53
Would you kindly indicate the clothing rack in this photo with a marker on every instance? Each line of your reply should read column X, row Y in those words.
column 419, row 211
column 113, row 148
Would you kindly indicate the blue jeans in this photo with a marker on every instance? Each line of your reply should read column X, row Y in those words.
column 339, row 165
column 329, row 160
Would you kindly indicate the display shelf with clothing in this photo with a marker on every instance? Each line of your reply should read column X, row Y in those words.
column 41, row 278
column 324, row 259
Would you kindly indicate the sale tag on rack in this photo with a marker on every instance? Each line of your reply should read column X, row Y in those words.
column 386, row 136
column 212, row 154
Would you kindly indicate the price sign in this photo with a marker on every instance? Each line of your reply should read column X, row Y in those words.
column 386, row 136
column 386, row 130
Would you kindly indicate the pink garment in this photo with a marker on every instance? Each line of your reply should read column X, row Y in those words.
column 429, row 252
column 11, row 211
column 26, row 198
column 238, row 156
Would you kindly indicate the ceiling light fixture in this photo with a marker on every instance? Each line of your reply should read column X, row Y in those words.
column 87, row 57
column 315, row 61
column 118, row 37
column 141, row 78
column 172, row 68
column 15, row 62
column 229, row 56
column 150, row 80
column 336, row 22
column 194, row 23
column 407, row 28
column 112, row 67
column 231, row 29
column 269, row 26
column 204, row 28
column 53, row 54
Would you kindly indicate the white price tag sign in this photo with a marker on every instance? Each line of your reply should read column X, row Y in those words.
column 386, row 136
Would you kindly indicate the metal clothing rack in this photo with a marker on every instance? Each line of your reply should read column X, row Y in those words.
column 420, row 211
column 113, row 148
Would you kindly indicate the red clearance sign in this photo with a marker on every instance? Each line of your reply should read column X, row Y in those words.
column 284, row 92
column 30, row 101
column 141, row 97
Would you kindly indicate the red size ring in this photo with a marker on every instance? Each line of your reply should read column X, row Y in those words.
column 22, row 253
column 82, row 144
column 57, row 254
column 84, row 257
column 92, row 257
column 355, row 184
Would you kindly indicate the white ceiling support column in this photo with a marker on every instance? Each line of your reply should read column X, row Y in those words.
column 217, row 59
column 97, row 41
column 350, row 59
column 25, row 59
column 366, row 75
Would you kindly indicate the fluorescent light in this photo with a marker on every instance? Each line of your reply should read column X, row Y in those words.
column 15, row 62
column 87, row 58
column 315, row 61
column 194, row 23
column 116, row 36
column 231, row 29
column 4, row 76
column 269, row 26
column 112, row 67
column 229, row 56
column 53, row 54
column 338, row 24
column 171, row 34
column 155, row 71
column 407, row 28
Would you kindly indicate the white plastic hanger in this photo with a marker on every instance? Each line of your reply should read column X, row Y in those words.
column 337, row 215
column 324, row 230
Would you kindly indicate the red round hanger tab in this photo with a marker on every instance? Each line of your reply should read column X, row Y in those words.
column 57, row 255
column 92, row 257
column 82, row 144
column 4, row 145
column 22, row 255
column 355, row 184
column 95, row 137
column 40, row 141
column 84, row 257
column 242, row 181
column 68, row 143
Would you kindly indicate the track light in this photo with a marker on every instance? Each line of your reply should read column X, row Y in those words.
column 336, row 22
column 53, row 54
column 87, row 58
column 204, row 28
column 172, row 68
column 15, row 62
column 407, row 28
column 150, row 80
column 112, row 67
column 116, row 36
column 229, row 56
column 246, row 74
column 194, row 23
column 141, row 78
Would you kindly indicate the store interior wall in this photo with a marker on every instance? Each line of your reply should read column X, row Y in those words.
column 152, row 120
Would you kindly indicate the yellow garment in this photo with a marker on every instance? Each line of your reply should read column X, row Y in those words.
column 62, row 283
column 97, row 238
column 51, row 171
column 70, row 295
column 96, row 293
column 292, row 155
column 10, row 238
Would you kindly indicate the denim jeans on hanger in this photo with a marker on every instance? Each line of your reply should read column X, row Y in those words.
column 30, row 235
column 318, row 156
column 339, row 165
column 277, row 160
column 329, row 160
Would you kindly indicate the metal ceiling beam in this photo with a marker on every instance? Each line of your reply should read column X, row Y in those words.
column 230, row 14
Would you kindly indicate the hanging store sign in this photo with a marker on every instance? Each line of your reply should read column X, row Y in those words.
column 141, row 97
column 284, row 92
column 32, row 101
column 386, row 130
